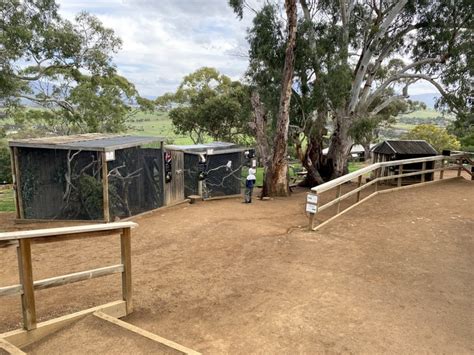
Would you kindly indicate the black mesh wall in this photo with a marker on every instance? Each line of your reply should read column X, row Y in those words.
column 60, row 184
column 135, row 181
column 222, row 174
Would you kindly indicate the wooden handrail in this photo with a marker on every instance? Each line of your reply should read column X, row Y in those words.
column 41, row 233
column 376, row 168
column 27, row 285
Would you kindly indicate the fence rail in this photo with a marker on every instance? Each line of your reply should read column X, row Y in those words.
column 27, row 285
column 313, row 201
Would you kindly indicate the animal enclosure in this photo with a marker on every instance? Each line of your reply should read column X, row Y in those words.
column 87, row 177
column 211, row 170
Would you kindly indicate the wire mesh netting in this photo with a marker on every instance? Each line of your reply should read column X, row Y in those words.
column 135, row 181
column 221, row 174
column 60, row 184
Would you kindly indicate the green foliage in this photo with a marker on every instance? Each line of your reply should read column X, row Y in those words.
column 5, row 165
column 439, row 138
column 209, row 103
column 90, row 192
column 65, row 67
column 7, row 201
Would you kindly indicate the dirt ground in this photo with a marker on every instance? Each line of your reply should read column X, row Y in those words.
column 394, row 275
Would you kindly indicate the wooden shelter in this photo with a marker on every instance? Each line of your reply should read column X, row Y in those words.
column 208, row 170
column 391, row 150
column 87, row 177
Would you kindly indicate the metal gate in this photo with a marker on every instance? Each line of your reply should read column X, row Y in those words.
column 174, row 181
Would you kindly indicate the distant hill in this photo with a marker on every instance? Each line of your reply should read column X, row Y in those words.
column 428, row 99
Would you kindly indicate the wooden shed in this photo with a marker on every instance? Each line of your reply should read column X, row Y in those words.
column 87, row 177
column 390, row 150
column 209, row 170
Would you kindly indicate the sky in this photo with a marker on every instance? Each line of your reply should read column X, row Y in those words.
column 164, row 40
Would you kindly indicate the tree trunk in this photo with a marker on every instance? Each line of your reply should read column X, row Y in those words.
column 276, row 181
column 259, row 125
column 339, row 147
column 366, row 152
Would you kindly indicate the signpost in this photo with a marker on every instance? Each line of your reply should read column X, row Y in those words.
column 311, row 208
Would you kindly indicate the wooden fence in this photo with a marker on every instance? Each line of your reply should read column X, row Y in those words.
column 378, row 173
column 27, row 286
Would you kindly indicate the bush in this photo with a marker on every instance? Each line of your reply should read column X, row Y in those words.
column 438, row 137
column 5, row 165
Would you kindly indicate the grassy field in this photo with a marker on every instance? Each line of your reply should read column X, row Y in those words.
column 7, row 202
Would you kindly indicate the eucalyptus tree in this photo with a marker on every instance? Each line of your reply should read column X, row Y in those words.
column 355, row 61
column 65, row 67
column 208, row 103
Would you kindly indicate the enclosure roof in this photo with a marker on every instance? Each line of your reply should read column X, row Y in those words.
column 90, row 141
column 406, row 147
column 218, row 146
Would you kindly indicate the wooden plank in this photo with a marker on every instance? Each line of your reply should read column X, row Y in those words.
column 36, row 220
column 21, row 337
column 65, row 230
column 423, row 168
column 10, row 348
column 400, row 173
column 417, row 185
column 359, row 183
column 74, row 236
column 77, row 277
column 21, row 213
column 105, row 188
column 346, row 210
column 338, row 194
column 11, row 290
column 146, row 334
column 441, row 173
column 25, row 268
column 63, row 279
column 346, row 195
column 126, row 253
column 222, row 197
column 15, row 187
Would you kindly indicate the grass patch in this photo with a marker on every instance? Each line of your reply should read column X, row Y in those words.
column 7, row 201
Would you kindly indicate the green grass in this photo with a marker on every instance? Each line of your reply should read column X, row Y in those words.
column 156, row 124
column 7, row 202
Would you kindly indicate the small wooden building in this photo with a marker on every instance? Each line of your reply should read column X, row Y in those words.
column 391, row 150
column 209, row 170
column 87, row 177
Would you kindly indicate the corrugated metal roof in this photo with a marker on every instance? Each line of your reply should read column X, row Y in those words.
column 406, row 147
column 90, row 142
column 204, row 147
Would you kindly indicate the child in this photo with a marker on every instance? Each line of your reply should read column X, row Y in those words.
column 249, row 184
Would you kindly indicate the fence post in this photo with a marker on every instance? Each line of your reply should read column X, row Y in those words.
column 26, row 280
column 423, row 168
column 460, row 167
column 126, row 253
column 359, row 184
column 339, row 187
column 312, row 208
column 441, row 173
column 400, row 172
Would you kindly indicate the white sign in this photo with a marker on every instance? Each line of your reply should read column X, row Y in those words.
column 312, row 198
column 109, row 156
column 311, row 208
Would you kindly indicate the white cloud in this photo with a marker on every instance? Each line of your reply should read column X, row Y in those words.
column 165, row 40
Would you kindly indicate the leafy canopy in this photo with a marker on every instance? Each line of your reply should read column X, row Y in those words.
column 438, row 137
column 63, row 67
column 208, row 103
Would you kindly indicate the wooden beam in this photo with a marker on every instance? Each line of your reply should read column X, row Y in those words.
column 21, row 338
column 400, row 173
column 146, row 334
column 346, row 195
column 40, row 233
column 15, row 187
column 441, row 173
column 19, row 199
column 126, row 253
column 63, row 279
column 423, row 168
column 359, row 183
column 105, row 188
column 26, row 280
column 10, row 348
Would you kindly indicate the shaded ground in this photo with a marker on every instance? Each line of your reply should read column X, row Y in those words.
column 393, row 275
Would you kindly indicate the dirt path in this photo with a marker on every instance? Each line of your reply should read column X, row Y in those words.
column 393, row 275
